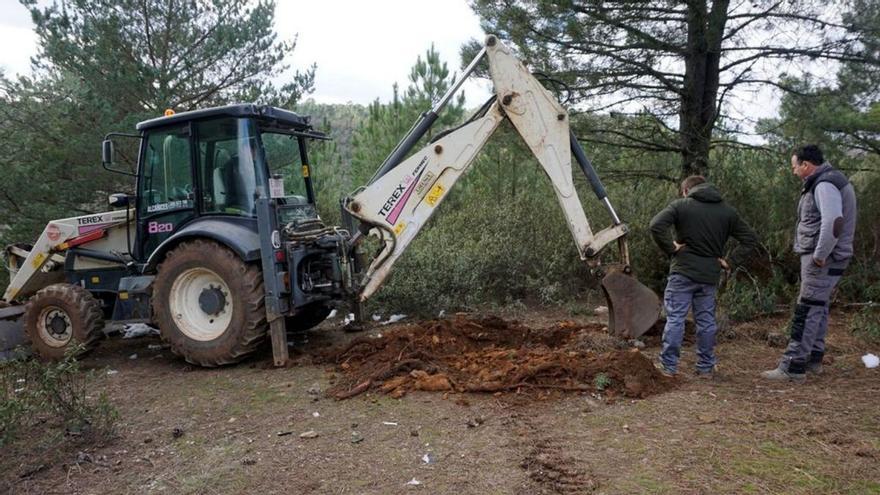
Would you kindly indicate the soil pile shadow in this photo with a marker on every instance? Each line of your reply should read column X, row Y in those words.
column 491, row 355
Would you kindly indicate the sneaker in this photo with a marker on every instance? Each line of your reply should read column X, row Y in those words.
column 706, row 374
column 665, row 371
column 814, row 368
column 779, row 374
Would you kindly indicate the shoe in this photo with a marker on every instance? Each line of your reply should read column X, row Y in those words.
column 706, row 374
column 665, row 371
column 780, row 375
column 814, row 368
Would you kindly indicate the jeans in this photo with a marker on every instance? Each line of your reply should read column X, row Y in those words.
column 682, row 292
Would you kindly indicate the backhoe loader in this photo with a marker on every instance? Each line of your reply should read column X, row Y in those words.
column 214, row 252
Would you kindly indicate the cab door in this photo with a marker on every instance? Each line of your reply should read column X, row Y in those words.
column 165, row 187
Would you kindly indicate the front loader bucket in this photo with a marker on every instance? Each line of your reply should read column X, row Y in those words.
column 11, row 331
column 632, row 308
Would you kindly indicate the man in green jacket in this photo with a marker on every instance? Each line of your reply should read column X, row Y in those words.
column 703, row 223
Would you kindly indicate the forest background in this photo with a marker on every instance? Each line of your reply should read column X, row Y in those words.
column 651, row 88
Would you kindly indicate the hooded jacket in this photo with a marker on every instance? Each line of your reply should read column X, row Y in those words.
column 703, row 223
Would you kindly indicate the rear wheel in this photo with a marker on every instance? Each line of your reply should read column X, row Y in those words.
column 209, row 304
column 62, row 317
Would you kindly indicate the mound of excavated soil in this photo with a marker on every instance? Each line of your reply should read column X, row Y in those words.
column 488, row 354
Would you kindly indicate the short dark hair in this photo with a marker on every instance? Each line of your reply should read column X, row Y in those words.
column 692, row 181
column 810, row 153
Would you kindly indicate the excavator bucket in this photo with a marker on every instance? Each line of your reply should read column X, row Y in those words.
column 632, row 308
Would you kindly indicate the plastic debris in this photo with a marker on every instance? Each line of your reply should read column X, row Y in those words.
column 377, row 317
column 393, row 319
column 112, row 372
column 348, row 319
column 133, row 356
column 389, row 423
column 428, row 459
column 332, row 313
column 316, row 414
column 413, row 482
column 871, row 360
column 601, row 310
column 135, row 330
column 441, row 314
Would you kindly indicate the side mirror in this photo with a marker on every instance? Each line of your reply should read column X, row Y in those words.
column 107, row 152
column 118, row 200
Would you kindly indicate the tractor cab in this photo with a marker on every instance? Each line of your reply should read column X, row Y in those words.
column 215, row 164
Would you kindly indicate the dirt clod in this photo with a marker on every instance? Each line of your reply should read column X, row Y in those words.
column 491, row 355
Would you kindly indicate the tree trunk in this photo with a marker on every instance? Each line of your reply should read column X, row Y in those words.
column 700, row 89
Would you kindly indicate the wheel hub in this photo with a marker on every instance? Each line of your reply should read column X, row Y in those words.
column 212, row 300
column 201, row 304
column 57, row 325
column 54, row 326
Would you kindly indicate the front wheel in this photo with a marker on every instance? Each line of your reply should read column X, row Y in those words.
column 209, row 304
column 63, row 318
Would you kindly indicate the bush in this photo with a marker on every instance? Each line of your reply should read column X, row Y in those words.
column 866, row 325
column 53, row 395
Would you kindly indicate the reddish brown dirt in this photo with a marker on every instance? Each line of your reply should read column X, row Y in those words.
column 492, row 355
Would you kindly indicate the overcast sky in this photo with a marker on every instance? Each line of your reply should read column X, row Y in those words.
column 361, row 47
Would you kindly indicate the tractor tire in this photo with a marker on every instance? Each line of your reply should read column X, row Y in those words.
column 209, row 304
column 308, row 317
column 61, row 318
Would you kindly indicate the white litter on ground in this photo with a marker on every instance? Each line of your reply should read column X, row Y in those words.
column 870, row 360
column 393, row 319
column 413, row 482
column 316, row 414
column 348, row 319
column 332, row 313
column 441, row 314
column 135, row 330
column 112, row 372
column 377, row 317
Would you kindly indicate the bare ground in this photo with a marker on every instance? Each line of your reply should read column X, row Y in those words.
column 237, row 429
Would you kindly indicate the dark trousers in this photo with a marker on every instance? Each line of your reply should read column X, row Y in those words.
column 809, row 324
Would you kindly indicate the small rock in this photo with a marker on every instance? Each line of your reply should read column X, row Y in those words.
column 413, row 433
column 638, row 344
column 474, row 422
column 248, row 461
column 309, row 434
column 148, row 440
column 315, row 389
column 284, row 433
column 316, row 414
column 83, row 457
column 177, row 432
column 133, row 356
column 356, row 437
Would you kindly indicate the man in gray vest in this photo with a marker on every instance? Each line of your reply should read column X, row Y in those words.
column 824, row 240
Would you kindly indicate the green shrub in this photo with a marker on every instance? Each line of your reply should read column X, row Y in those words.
column 601, row 381
column 866, row 324
column 53, row 395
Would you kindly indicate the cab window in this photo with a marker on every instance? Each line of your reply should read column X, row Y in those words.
column 167, row 182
